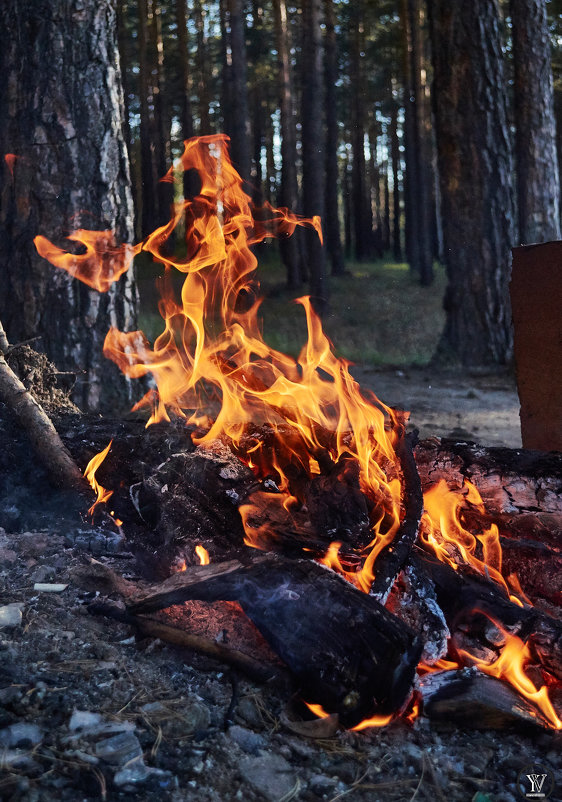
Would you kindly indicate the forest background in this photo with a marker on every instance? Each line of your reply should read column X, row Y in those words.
column 427, row 135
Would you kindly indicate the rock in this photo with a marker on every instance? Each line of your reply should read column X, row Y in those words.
column 119, row 749
column 21, row 734
column 271, row 775
column 247, row 740
column 43, row 573
column 83, row 719
column 11, row 614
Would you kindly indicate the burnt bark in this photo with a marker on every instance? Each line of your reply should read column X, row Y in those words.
column 475, row 170
column 62, row 109
column 313, row 148
column 536, row 159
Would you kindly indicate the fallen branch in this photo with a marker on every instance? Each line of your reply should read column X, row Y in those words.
column 63, row 471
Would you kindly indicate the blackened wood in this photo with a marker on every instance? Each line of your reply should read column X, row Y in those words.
column 392, row 558
column 468, row 698
column 349, row 654
column 471, row 601
column 152, row 628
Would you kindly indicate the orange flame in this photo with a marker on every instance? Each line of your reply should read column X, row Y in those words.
column 203, row 555
column 211, row 358
column 510, row 666
column 90, row 473
column 10, row 159
column 444, row 533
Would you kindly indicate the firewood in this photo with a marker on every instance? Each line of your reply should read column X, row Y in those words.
column 392, row 558
column 153, row 628
column 348, row 653
column 62, row 470
column 470, row 601
column 468, row 698
column 521, row 493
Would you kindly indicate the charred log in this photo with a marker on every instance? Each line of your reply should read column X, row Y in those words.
column 470, row 602
column 393, row 557
column 467, row 698
column 348, row 653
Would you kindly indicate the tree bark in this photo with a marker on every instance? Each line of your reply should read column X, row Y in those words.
column 395, row 156
column 240, row 130
column 313, row 179
column 288, row 191
column 332, row 227
column 203, row 76
column 361, row 207
column 61, row 105
column 475, row 170
column 163, row 148
column 536, row 159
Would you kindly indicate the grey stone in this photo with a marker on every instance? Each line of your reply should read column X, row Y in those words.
column 11, row 614
column 119, row 749
column 43, row 573
column 271, row 775
column 247, row 740
column 83, row 719
column 22, row 734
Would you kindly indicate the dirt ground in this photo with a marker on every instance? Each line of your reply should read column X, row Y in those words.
column 483, row 408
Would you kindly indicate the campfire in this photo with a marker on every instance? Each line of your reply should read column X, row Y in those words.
column 280, row 485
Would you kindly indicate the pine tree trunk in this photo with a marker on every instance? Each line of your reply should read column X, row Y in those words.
column 361, row 208
column 186, row 118
column 61, row 107
column 226, row 67
column 203, row 73
column 395, row 156
column 535, row 140
column 162, row 122
column 475, row 172
column 332, row 227
column 147, row 167
column 288, row 191
column 240, row 121
column 313, row 158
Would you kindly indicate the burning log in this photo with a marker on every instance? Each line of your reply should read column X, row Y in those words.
column 469, row 602
column 44, row 438
column 348, row 653
column 520, row 490
column 468, row 698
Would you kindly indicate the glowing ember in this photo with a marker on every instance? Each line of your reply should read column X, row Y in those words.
column 90, row 473
column 203, row 555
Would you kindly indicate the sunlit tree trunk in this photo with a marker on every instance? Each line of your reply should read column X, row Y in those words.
column 536, row 160
column 395, row 156
column 475, row 170
column 61, row 107
column 288, row 193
